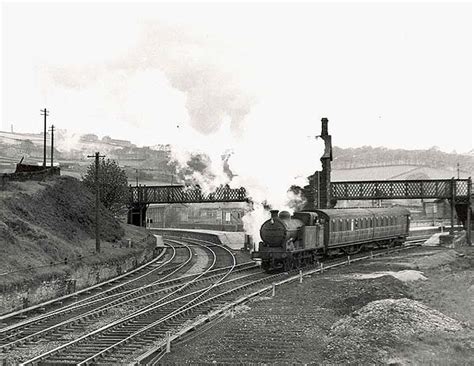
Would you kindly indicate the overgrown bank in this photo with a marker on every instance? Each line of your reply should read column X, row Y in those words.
column 47, row 242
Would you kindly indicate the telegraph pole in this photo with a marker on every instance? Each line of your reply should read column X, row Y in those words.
column 469, row 218
column 52, row 145
column 45, row 113
column 97, row 201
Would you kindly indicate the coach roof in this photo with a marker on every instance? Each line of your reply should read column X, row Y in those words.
column 347, row 213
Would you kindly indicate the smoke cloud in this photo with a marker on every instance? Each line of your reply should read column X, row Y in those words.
column 227, row 124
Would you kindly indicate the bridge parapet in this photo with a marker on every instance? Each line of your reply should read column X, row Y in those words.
column 184, row 194
column 456, row 189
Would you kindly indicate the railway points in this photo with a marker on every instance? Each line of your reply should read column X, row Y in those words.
column 179, row 302
column 148, row 296
column 282, row 329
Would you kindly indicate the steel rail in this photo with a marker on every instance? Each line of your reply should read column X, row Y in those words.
column 143, row 310
column 184, row 308
column 80, row 303
column 82, row 291
column 156, row 354
column 100, row 309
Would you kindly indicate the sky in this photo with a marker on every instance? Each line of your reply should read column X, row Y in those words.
column 385, row 74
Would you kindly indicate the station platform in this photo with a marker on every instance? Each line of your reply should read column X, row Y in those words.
column 233, row 240
column 430, row 230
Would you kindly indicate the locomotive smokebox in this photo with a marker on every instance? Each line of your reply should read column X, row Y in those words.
column 274, row 214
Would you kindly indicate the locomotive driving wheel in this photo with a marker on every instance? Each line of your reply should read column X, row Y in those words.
column 288, row 265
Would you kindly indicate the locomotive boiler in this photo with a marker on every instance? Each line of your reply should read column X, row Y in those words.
column 290, row 242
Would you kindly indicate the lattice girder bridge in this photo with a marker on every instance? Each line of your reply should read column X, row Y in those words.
column 453, row 189
column 141, row 196
column 457, row 191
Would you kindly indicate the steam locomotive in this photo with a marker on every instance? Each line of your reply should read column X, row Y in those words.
column 290, row 242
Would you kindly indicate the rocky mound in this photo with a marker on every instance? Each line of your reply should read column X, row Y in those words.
column 436, row 260
column 382, row 324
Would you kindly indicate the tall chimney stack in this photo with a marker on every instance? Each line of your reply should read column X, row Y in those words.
column 318, row 192
column 324, row 187
column 324, row 127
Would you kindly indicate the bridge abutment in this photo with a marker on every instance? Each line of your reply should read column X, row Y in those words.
column 137, row 215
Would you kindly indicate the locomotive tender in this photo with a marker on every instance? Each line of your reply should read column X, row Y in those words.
column 292, row 241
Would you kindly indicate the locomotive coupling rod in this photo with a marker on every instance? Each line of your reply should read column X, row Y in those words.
column 301, row 276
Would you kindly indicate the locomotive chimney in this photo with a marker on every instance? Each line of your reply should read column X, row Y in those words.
column 274, row 214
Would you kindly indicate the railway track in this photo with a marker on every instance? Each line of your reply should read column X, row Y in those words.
column 79, row 318
column 130, row 279
column 153, row 312
column 195, row 328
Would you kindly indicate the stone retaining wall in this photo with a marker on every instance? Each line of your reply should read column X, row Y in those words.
column 80, row 276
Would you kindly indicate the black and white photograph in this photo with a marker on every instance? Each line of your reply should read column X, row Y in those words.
column 236, row 183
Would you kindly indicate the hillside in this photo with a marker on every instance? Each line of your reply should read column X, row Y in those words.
column 367, row 156
column 152, row 164
column 43, row 223
column 390, row 172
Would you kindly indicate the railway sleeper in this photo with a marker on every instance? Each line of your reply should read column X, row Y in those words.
column 67, row 358
column 57, row 362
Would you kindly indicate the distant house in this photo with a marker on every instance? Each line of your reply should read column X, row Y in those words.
column 90, row 137
column 117, row 142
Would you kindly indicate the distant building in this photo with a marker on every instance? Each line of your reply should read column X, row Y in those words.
column 225, row 216
column 437, row 209
column 90, row 137
column 122, row 143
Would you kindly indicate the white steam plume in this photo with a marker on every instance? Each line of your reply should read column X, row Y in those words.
column 180, row 88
